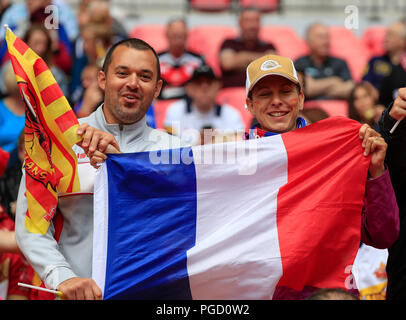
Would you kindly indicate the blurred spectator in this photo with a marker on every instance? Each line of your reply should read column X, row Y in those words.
column 98, row 12
column 18, row 13
column 362, row 104
column 236, row 54
column 92, row 95
column 39, row 40
column 12, row 114
column 90, row 48
column 14, row 267
column 177, row 63
column 4, row 5
column 325, row 77
column 395, row 45
column 10, row 180
column 61, row 45
column 190, row 116
column 391, row 84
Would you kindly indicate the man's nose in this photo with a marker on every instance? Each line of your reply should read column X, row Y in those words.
column 276, row 100
column 132, row 82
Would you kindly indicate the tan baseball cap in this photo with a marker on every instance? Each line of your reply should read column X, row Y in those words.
column 270, row 65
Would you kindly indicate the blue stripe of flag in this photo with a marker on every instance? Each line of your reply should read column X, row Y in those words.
column 151, row 225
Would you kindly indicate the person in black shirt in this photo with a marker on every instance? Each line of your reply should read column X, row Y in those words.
column 379, row 67
column 391, row 84
column 236, row 54
column 395, row 160
column 326, row 77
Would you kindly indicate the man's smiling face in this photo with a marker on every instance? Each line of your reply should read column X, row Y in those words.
column 275, row 101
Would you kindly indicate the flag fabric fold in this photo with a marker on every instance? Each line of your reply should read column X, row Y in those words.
column 231, row 220
column 50, row 132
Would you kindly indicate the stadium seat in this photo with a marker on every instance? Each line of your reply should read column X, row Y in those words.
column 210, row 5
column 263, row 5
column 160, row 107
column 285, row 39
column 346, row 45
column 154, row 34
column 332, row 107
column 373, row 38
column 235, row 97
column 207, row 39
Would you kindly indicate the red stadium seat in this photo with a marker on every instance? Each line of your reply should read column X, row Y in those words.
column 285, row 39
column 263, row 5
column 160, row 108
column 373, row 38
column 206, row 40
column 332, row 107
column 154, row 34
column 210, row 5
column 346, row 45
column 235, row 97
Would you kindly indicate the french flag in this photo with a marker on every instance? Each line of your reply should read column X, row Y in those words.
column 231, row 220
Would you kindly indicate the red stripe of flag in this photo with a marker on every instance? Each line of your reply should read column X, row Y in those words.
column 51, row 93
column 20, row 46
column 65, row 121
column 18, row 70
column 39, row 67
column 318, row 239
column 43, row 196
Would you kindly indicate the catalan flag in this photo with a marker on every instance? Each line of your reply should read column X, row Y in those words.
column 50, row 132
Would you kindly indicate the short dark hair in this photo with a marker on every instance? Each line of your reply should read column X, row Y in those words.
column 134, row 43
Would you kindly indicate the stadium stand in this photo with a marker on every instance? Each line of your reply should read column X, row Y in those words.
column 209, row 46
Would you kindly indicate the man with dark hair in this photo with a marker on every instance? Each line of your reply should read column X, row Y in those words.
column 62, row 257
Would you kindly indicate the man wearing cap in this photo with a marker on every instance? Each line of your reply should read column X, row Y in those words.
column 274, row 97
column 199, row 110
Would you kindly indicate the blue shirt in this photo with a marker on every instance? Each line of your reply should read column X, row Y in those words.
column 11, row 126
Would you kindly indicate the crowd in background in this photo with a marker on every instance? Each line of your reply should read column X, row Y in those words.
column 200, row 90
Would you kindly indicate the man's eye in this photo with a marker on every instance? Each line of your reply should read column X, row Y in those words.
column 286, row 90
column 122, row 73
column 146, row 77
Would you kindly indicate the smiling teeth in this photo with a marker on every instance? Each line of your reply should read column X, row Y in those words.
column 277, row 114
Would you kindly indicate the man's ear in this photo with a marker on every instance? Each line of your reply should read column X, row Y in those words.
column 158, row 88
column 101, row 79
column 249, row 103
column 301, row 100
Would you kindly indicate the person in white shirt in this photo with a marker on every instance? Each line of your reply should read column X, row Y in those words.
column 189, row 117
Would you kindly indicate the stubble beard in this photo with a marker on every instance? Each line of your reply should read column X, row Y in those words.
column 127, row 113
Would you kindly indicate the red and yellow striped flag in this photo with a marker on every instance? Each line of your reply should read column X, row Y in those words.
column 50, row 132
